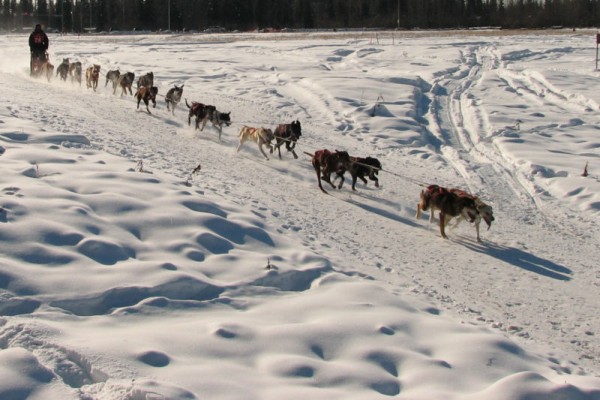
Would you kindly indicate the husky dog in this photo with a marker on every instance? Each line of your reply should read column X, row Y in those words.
column 262, row 136
column 484, row 211
column 173, row 97
column 288, row 134
column 363, row 168
column 113, row 77
column 92, row 75
column 146, row 80
column 326, row 162
column 204, row 113
column 146, row 94
column 124, row 82
column 75, row 70
column 63, row 69
column 448, row 203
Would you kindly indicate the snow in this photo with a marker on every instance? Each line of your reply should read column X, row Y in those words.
column 124, row 275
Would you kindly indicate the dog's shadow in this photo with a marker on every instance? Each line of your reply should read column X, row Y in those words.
column 522, row 259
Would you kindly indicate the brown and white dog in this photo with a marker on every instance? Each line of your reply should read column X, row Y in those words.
column 147, row 94
column 261, row 136
column 92, row 75
column 448, row 203
column 484, row 211
column 326, row 162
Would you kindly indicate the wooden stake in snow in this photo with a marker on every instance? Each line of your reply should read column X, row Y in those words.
column 585, row 171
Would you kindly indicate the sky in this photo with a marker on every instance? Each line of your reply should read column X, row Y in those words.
column 128, row 273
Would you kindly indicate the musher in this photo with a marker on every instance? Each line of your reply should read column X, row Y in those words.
column 38, row 45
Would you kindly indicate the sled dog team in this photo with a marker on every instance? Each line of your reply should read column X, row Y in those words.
column 452, row 204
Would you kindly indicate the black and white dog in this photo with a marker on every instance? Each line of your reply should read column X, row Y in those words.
column 173, row 97
column 217, row 118
column 204, row 113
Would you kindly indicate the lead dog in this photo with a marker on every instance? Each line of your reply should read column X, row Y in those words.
column 261, row 136
column 173, row 97
column 484, row 211
column 448, row 203
column 326, row 162
column 147, row 94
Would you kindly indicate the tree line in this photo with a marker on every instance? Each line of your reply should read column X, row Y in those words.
column 245, row 15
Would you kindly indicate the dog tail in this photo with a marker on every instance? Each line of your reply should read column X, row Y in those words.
column 186, row 103
column 308, row 154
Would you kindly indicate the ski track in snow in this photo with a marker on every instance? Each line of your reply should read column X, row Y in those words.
column 486, row 173
column 465, row 157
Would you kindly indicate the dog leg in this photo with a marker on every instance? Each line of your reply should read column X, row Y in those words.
column 326, row 176
column 317, row 169
column 203, row 124
column 354, row 183
column 418, row 214
column 242, row 140
column 477, row 230
column 457, row 222
column 339, row 176
column 443, row 225
column 260, row 147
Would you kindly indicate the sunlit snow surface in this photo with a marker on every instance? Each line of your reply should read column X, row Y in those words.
column 124, row 275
